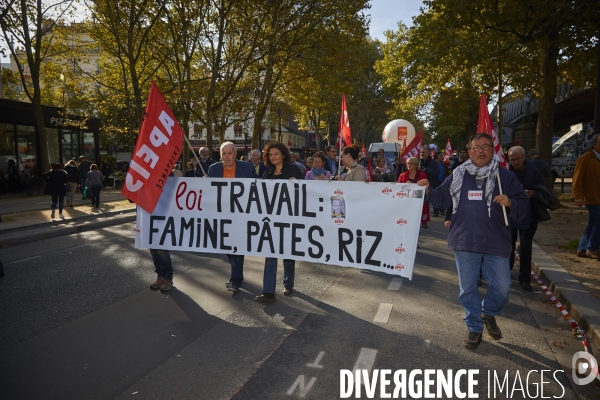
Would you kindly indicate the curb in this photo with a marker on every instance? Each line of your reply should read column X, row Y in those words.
column 46, row 230
column 582, row 305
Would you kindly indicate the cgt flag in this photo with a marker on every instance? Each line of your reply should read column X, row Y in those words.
column 484, row 125
column 157, row 148
column 414, row 148
column 344, row 135
column 448, row 152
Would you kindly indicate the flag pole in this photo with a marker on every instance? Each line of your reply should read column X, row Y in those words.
column 500, row 189
column 194, row 153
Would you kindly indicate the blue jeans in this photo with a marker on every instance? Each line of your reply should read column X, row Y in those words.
column 496, row 271
column 57, row 198
column 162, row 263
column 237, row 269
column 270, row 274
column 590, row 240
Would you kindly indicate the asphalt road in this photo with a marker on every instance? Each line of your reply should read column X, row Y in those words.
column 78, row 321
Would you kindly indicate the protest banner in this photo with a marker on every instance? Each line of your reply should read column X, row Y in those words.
column 372, row 226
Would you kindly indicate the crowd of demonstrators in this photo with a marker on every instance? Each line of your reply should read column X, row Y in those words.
column 280, row 165
column 431, row 168
column 309, row 164
column 331, row 164
column 586, row 191
column 257, row 162
column 388, row 163
column 413, row 175
column 189, row 172
column 352, row 171
column 229, row 167
column 296, row 160
column 479, row 236
column 382, row 171
column 106, row 170
column 84, row 169
column 56, row 187
column 540, row 163
column 205, row 162
column 529, row 176
column 177, row 171
column 94, row 183
column 318, row 171
column 73, row 181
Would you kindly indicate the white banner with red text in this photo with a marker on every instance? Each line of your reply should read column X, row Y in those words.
column 372, row 226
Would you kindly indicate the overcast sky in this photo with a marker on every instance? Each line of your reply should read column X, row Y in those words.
column 385, row 15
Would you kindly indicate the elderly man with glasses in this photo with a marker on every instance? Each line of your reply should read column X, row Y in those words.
column 529, row 176
column 479, row 235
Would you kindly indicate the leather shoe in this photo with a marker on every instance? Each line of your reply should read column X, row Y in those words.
column 526, row 286
column 265, row 298
column 582, row 254
column 592, row 254
column 288, row 291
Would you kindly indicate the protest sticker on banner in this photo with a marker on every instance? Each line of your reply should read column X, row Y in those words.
column 372, row 226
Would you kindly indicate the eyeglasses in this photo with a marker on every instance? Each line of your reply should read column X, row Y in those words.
column 516, row 159
column 485, row 147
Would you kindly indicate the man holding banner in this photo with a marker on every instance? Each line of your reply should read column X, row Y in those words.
column 229, row 167
column 479, row 233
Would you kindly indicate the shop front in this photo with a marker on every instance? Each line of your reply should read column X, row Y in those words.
column 67, row 137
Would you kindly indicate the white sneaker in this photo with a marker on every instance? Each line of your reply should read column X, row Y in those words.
column 53, row 214
column 62, row 216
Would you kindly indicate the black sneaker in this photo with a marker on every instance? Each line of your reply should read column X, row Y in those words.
column 265, row 298
column 228, row 283
column 492, row 327
column 472, row 340
column 233, row 288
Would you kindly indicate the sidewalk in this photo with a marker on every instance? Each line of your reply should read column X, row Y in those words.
column 34, row 223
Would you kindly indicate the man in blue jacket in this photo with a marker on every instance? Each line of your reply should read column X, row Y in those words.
column 529, row 176
column 229, row 167
column 479, row 234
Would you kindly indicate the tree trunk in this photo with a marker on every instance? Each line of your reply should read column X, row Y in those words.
column 545, row 122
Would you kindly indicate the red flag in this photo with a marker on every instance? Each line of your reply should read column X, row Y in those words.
column 363, row 152
column 344, row 135
column 414, row 148
column 403, row 147
column 157, row 148
column 485, row 125
column 289, row 145
column 448, row 152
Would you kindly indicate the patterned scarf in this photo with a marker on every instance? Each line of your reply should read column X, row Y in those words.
column 318, row 172
column 488, row 171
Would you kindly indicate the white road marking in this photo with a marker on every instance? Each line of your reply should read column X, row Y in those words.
column 365, row 360
column 383, row 314
column 317, row 361
column 26, row 259
column 76, row 247
column 395, row 284
column 303, row 389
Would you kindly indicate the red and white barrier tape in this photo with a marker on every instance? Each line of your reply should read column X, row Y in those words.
column 564, row 312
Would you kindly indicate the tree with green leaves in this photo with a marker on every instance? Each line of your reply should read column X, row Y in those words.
column 27, row 28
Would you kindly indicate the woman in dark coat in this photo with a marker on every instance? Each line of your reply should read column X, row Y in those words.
column 279, row 166
column 56, row 186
